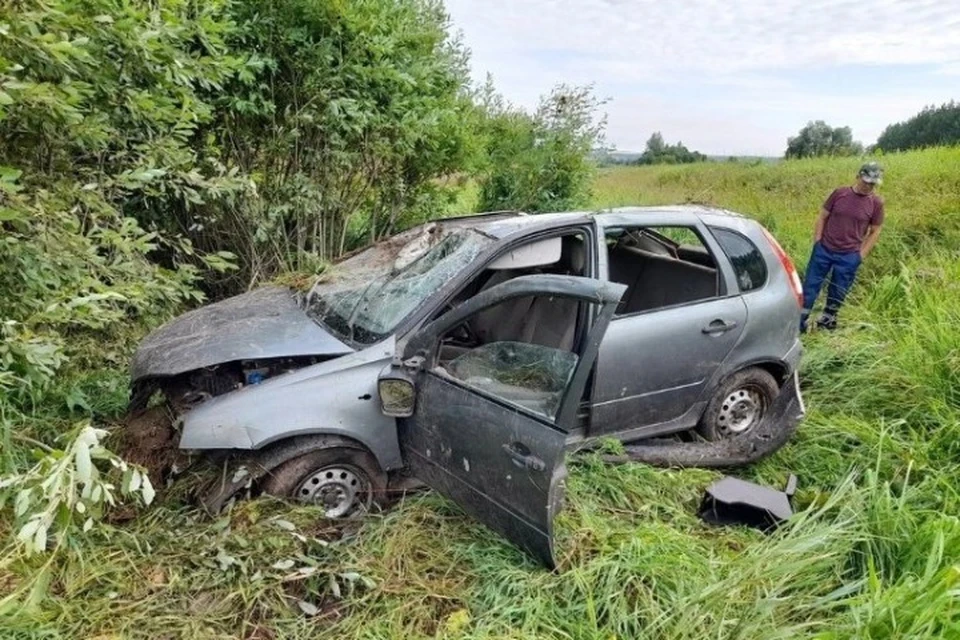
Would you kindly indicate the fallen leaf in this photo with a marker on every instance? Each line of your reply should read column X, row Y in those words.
column 308, row 608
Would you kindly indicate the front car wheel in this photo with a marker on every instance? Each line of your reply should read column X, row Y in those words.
column 346, row 483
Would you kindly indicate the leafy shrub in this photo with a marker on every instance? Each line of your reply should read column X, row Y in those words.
column 67, row 487
column 342, row 114
column 540, row 162
column 658, row 152
column 820, row 139
column 100, row 108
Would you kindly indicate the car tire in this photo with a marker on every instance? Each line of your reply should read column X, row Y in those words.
column 739, row 405
column 347, row 483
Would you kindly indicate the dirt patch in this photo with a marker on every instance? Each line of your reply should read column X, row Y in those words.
column 258, row 632
column 149, row 440
column 325, row 530
column 8, row 582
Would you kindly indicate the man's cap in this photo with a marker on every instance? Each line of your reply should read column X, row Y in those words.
column 871, row 173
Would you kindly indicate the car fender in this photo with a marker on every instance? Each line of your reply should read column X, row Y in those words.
column 741, row 358
column 242, row 472
column 769, row 338
column 336, row 398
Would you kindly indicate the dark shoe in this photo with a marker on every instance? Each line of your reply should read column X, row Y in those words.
column 827, row 322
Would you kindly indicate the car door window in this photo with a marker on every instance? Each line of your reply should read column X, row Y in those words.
column 746, row 259
column 574, row 259
column 529, row 375
column 521, row 351
column 662, row 266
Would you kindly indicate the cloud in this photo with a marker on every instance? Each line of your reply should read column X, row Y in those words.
column 722, row 60
column 719, row 35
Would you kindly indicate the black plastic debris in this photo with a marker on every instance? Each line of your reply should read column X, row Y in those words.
column 735, row 501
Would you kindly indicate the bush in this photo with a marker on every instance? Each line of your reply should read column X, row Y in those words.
column 342, row 114
column 658, row 152
column 820, row 139
column 539, row 162
column 99, row 115
column 66, row 487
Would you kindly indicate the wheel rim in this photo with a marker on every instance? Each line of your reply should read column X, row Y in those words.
column 741, row 411
column 339, row 489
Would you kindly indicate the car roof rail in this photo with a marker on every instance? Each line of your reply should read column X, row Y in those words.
column 484, row 214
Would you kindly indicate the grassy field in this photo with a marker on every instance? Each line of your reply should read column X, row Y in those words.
column 873, row 553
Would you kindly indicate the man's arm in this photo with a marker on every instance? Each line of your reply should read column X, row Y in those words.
column 818, row 227
column 873, row 234
column 873, row 231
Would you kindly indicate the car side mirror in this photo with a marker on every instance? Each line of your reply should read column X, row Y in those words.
column 397, row 388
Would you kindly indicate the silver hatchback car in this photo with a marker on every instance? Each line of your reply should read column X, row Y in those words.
column 472, row 353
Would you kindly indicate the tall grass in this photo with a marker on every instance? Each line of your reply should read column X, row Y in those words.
column 873, row 553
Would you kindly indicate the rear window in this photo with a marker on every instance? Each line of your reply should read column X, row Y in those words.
column 747, row 261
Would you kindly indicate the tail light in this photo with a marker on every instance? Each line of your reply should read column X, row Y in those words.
column 787, row 263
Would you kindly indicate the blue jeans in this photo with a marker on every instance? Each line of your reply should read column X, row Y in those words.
column 844, row 269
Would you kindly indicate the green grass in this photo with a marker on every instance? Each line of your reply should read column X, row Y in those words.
column 874, row 552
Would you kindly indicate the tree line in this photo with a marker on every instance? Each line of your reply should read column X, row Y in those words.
column 933, row 126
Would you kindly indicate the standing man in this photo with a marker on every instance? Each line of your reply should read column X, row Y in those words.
column 846, row 231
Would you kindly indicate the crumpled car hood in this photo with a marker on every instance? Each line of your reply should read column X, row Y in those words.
column 265, row 323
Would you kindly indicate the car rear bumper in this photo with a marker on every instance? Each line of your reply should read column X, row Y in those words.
column 792, row 357
column 799, row 409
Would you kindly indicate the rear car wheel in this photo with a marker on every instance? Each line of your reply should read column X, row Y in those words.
column 739, row 405
column 346, row 483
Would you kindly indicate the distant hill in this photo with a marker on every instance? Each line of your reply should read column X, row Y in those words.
column 606, row 157
column 770, row 159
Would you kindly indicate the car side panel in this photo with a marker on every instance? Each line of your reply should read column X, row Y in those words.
column 771, row 334
column 337, row 397
column 654, row 366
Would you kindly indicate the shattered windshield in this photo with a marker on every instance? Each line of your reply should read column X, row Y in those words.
column 368, row 295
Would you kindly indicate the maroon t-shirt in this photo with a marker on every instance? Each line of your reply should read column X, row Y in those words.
column 851, row 214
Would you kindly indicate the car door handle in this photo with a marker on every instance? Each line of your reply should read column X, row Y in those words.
column 719, row 326
column 522, row 456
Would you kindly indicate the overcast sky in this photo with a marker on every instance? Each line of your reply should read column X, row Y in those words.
column 722, row 76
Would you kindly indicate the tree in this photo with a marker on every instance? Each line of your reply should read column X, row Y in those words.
column 820, row 139
column 659, row 152
column 343, row 115
column 541, row 161
column 931, row 127
column 655, row 145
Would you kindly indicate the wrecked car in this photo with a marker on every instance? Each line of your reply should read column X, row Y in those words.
column 472, row 353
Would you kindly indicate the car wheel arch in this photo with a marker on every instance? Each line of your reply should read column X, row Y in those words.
column 776, row 368
column 779, row 370
column 248, row 469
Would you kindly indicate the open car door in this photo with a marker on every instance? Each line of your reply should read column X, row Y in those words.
column 488, row 427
